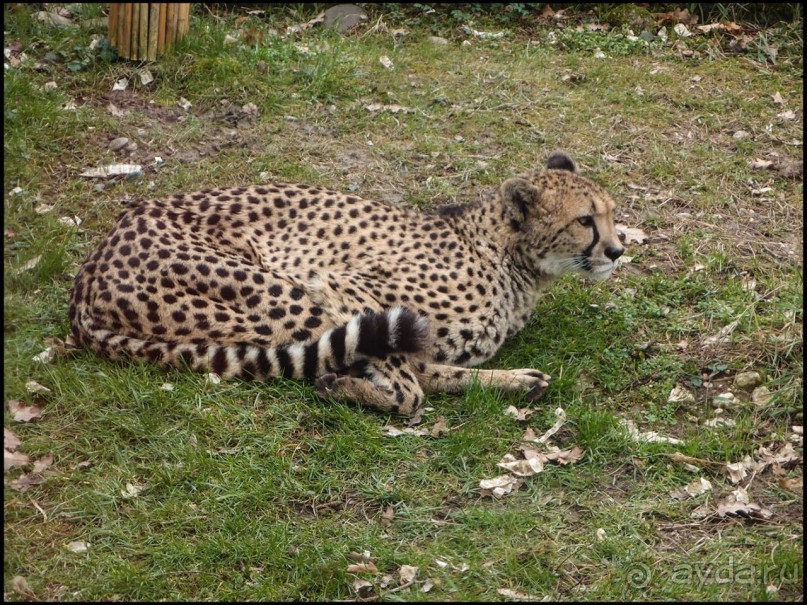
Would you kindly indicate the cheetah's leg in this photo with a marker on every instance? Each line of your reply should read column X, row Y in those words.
column 450, row 379
column 387, row 384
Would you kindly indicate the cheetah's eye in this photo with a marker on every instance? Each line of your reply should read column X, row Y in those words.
column 586, row 221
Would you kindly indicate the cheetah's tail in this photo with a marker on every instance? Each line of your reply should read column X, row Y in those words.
column 396, row 330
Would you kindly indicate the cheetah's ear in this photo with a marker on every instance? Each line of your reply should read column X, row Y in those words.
column 519, row 197
column 560, row 160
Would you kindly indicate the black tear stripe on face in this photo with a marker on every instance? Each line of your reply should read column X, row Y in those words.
column 584, row 257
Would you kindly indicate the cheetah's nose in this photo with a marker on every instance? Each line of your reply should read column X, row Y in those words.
column 614, row 253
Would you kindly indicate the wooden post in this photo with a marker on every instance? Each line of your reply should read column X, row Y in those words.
column 154, row 30
column 161, row 35
column 143, row 31
column 113, row 18
column 125, row 48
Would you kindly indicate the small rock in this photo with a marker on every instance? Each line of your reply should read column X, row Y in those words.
column 746, row 380
column 761, row 396
column 437, row 40
column 725, row 400
column 741, row 134
column 131, row 147
column 344, row 17
column 98, row 187
column 119, row 143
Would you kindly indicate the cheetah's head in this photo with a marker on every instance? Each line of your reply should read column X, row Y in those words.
column 563, row 222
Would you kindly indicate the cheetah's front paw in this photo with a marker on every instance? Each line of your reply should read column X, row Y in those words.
column 534, row 381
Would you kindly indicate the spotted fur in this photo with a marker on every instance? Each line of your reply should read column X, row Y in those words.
column 374, row 301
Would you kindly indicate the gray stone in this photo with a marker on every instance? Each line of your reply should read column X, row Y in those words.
column 746, row 380
column 119, row 143
column 761, row 396
column 345, row 17
column 437, row 40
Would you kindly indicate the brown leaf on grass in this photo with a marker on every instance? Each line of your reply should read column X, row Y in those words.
column 522, row 468
column 363, row 588
column 564, row 457
column 20, row 585
column 777, row 98
column 747, row 510
column 12, row 459
column 43, row 463
column 359, row 557
column 407, row 573
column 778, row 460
column 387, row 516
column 629, row 235
column 77, row 546
column 759, row 164
column 22, row 413
column 369, row 566
column 376, row 107
column 690, row 490
column 439, row 427
column 794, row 485
column 520, row 414
column 32, row 386
column 10, row 441
column 23, row 482
column 499, row 486
column 517, row 595
column 417, row 417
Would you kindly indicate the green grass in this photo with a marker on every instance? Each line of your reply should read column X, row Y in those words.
column 260, row 491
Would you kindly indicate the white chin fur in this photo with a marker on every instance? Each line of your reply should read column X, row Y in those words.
column 601, row 274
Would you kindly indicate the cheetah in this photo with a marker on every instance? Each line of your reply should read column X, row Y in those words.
column 375, row 302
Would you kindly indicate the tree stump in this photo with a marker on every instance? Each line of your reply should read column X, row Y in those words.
column 143, row 31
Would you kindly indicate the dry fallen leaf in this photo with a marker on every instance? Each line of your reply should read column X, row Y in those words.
column 439, row 427
column 132, row 490
column 23, row 482
column 22, row 413
column 777, row 98
column 787, row 115
column 759, row 164
column 10, row 441
column 722, row 337
column 520, row 414
column 113, row 170
column 651, row 436
column 680, row 395
column 696, row 488
column 387, row 516
column 794, row 485
column 386, row 62
column 560, row 416
column 738, row 471
column 628, row 235
column 517, row 595
column 362, row 567
column 12, row 459
column 77, row 546
column 29, row 265
column 363, row 588
column 391, row 431
column 564, row 457
column 43, row 463
column 747, row 510
column 499, row 486
column 522, row 468
column 20, row 586
column 407, row 573
column 375, row 107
